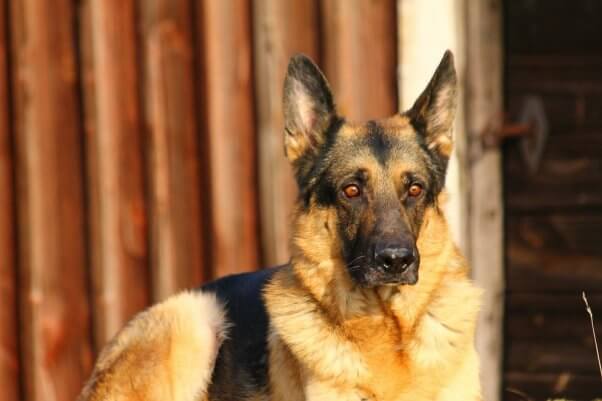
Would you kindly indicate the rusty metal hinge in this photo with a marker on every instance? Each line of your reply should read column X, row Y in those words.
column 530, row 127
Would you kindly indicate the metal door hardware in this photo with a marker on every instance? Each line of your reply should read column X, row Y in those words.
column 531, row 127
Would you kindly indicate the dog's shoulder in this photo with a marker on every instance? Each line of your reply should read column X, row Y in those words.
column 241, row 295
column 241, row 365
column 242, row 285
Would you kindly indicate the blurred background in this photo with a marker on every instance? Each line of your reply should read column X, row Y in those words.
column 141, row 154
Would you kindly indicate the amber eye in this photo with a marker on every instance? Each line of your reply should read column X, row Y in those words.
column 415, row 190
column 351, row 191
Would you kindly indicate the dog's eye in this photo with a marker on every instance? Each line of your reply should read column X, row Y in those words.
column 351, row 191
column 415, row 190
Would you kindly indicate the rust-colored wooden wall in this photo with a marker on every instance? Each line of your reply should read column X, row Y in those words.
column 140, row 153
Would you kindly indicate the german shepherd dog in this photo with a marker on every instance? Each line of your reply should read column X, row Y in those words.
column 375, row 303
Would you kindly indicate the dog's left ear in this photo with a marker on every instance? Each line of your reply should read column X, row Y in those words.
column 434, row 111
column 308, row 108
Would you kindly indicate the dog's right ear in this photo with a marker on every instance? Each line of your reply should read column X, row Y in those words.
column 309, row 109
column 435, row 109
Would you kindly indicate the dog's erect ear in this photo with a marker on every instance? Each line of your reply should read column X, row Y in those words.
column 434, row 111
column 308, row 107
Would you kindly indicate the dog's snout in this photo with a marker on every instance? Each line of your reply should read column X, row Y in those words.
column 395, row 257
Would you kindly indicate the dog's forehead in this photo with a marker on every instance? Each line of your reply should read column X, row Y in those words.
column 397, row 125
column 386, row 143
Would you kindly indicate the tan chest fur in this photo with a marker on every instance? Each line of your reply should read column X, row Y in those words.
column 392, row 353
column 379, row 341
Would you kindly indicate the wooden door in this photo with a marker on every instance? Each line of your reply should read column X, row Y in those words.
column 553, row 216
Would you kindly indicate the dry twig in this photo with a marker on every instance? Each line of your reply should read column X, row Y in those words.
column 523, row 396
column 591, row 318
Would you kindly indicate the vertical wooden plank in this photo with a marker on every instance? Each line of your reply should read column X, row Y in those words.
column 115, row 167
column 54, row 307
column 88, row 116
column 484, row 105
column 281, row 29
column 175, row 209
column 360, row 56
column 230, row 126
column 426, row 29
column 9, row 353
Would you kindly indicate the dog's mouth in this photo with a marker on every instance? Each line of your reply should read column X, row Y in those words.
column 370, row 275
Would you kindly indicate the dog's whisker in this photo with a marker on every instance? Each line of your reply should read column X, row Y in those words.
column 356, row 259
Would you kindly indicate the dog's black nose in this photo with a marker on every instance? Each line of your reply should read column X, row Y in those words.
column 398, row 258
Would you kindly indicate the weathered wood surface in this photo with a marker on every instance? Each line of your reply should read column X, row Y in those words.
column 545, row 386
column 176, row 220
column 551, row 325
column 426, row 29
column 568, row 176
column 226, row 54
column 118, row 212
column 172, row 171
column 484, row 95
column 9, row 353
column 360, row 56
column 554, row 252
column 552, row 356
column 535, row 26
column 565, row 111
column 537, row 316
column 529, row 70
column 554, row 223
column 54, row 330
column 551, row 332
column 281, row 29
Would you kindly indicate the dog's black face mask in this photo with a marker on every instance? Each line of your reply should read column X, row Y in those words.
column 378, row 177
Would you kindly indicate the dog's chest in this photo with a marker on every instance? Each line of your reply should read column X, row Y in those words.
column 402, row 362
column 378, row 339
column 400, row 353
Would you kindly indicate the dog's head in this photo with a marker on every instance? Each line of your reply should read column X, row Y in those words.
column 376, row 179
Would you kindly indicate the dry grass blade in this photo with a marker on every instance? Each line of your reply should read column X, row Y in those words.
column 591, row 318
column 517, row 392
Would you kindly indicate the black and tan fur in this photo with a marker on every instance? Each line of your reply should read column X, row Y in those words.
column 375, row 303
